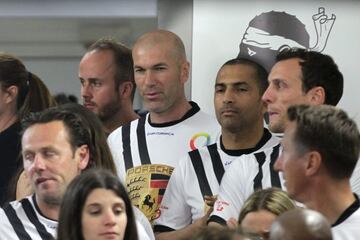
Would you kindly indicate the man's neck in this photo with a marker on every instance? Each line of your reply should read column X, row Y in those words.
column 244, row 139
column 49, row 211
column 331, row 200
column 173, row 114
column 118, row 120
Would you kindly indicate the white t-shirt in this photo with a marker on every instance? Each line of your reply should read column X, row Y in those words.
column 246, row 174
column 348, row 225
column 198, row 175
column 145, row 154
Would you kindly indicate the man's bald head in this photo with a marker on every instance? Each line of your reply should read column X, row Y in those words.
column 163, row 38
column 301, row 224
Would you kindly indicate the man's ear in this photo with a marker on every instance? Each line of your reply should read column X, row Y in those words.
column 313, row 163
column 126, row 88
column 11, row 94
column 84, row 156
column 317, row 95
column 185, row 71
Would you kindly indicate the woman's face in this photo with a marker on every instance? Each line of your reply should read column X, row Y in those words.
column 103, row 216
column 258, row 222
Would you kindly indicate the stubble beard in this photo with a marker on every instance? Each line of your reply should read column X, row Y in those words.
column 109, row 111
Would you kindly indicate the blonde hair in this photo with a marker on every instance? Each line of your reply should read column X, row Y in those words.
column 273, row 200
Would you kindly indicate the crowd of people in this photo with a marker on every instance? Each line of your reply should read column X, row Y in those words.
column 100, row 170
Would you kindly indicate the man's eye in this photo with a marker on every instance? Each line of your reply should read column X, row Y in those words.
column 139, row 70
column 28, row 157
column 96, row 83
column 160, row 68
column 242, row 89
column 219, row 90
column 49, row 154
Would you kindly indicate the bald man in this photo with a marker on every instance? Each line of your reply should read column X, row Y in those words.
column 147, row 149
column 301, row 224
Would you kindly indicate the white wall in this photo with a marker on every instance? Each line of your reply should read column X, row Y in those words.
column 220, row 25
column 177, row 16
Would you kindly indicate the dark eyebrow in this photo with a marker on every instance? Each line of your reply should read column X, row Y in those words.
column 219, row 84
column 159, row 65
column 94, row 79
column 235, row 84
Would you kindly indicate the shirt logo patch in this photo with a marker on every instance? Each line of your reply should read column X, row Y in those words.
column 220, row 205
column 146, row 186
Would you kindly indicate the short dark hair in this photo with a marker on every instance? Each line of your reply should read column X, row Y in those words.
column 329, row 131
column 261, row 73
column 317, row 70
column 83, row 128
column 122, row 59
column 79, row 189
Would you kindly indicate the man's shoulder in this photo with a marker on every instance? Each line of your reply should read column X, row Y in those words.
column 14, row 206
column 348, row 229
column 22, row 217
column 118, row 132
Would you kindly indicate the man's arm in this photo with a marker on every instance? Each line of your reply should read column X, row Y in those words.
column 186, row 232
column 232, row 194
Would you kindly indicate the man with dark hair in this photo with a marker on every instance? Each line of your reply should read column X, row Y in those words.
column 301, row 224
column 298, row 77
column 321, row 147
column 55, row 149
column 57, row 145
column 194, row 184
column 147, row 150
column 107, row 82
column 301, row 76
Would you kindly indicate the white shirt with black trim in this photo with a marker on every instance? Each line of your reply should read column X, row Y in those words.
column 146, row 153
column 347, row 227
column 23, row 220
column 198, row 175
column 235, row 188
column 247, row 174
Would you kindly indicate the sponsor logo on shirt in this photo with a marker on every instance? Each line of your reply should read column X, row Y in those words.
column 160, row 133
column 146, row 186
column 199, row 140
column 220, row 205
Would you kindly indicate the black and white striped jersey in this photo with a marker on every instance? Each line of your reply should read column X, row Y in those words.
column 247, row 174
column 146, row 153
column 23, row 220
column 347, row 226
column 256, row 172
column 198, row 175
